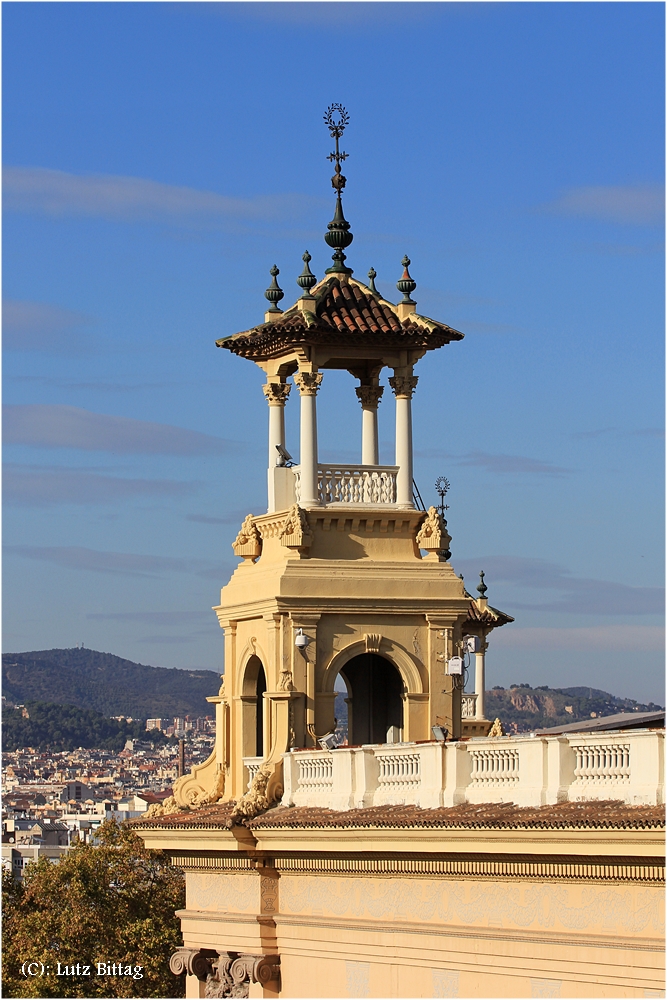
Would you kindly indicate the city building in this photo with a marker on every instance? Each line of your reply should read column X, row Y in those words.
column 432, row 855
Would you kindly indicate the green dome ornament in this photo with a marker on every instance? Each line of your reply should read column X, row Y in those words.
column 274, row 292
column 372, row 275
column 306, row 279
column 406, row 284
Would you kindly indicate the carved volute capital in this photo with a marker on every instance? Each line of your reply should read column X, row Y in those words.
column 197, row 963
column 276, row 393
column 369, row 396
column 403, row 385
column 308, row 382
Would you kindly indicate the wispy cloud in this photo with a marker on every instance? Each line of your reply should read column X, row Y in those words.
column 40, row 326
column 499, row 464
column 47, row 486
column 166, row 618
column 578, row 595
column 49, row 426
column 650, row 432
column 167, row 640
column 118, row 563
column 232, row 517
column 629, row 638
column 137, row 199
column 632, row 204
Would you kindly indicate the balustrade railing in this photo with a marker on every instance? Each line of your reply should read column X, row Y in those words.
column 526, row 770
column 252, row 765
column 468, row 706
column 364, row 484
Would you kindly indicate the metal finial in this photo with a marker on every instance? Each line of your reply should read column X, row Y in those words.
column 406, row 284
column 442, row 488
column 274, row 292
column 372, row 275
column 338, row 236
column 482, row 587
column 306, row 279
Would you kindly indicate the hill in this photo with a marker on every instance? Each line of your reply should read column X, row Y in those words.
column 106, row 683
column 522, row 708
column 64, row 727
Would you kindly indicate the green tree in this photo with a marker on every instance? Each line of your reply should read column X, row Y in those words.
column 110, row 902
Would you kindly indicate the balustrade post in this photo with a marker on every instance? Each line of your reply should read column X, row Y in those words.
column 308, row 384
column 403, row 386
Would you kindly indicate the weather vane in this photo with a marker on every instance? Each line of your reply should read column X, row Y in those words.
column 338, row 235
column 442, row 488
column 337, row 128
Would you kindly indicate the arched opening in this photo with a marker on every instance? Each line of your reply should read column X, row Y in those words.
column 375, row 705
column 259, row 713
column 253, row 688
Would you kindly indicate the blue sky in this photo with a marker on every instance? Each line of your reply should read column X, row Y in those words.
column 159, row 158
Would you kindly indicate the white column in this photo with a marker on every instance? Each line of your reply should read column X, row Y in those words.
column 480, row 679
column 276, row 396
column 308, row 383
column 404, row 386
column 369, row 397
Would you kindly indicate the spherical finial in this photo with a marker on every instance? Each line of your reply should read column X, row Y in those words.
column 372, row 275
column 482, row 587
column 406, row 284
column 306, row 279
column 274, row 292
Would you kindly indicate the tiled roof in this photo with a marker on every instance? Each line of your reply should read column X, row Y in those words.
column 622, row 720
column 346, row 312
column 488, row 615
column 565, row 815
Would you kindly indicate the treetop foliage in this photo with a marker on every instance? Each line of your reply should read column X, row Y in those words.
column 110, row 902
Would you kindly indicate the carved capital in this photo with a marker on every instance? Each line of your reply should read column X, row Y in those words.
column 197, row 963
column 369, row 396
column 248, row 542
column 296, row 533
column 403, row 385
column 276, row 393
column 308, row 382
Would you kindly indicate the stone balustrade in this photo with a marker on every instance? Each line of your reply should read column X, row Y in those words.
column 526, row 770
column 252, row 765
column 468, row 706
column 352, row 484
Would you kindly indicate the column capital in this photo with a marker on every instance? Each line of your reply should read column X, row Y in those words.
column 369, row 396
column 276, row 393
column 403, row 386
column 308, row 382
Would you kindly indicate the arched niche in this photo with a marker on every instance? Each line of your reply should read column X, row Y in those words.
column 413, row 673
column 253, row 687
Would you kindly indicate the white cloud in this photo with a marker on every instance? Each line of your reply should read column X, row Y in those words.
column 40, row 326
column 636, row 205
column 631, row 638
column 43, row 486
column 44, row 425
column 132, row 199
column 123, row 563
column 575, row 595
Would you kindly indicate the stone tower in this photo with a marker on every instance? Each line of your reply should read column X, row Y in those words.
column 344, row 575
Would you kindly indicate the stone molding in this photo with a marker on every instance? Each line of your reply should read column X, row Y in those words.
column 369, row 396
column 248, row 542
column 403, row 386
column 308, row 383
column 276, row 393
